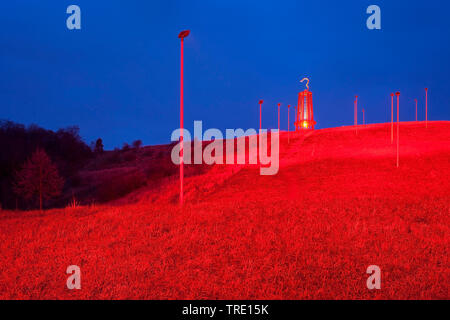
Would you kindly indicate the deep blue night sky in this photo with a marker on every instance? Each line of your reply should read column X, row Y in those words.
column 118, row 77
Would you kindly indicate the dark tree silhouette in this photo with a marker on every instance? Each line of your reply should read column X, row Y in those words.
column 98, row 146
column 38, row 177
column 126, row 147
column 137, row 144
column 65, row 147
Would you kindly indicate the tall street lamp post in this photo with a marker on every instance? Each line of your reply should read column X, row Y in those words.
column 398, row 137
column 356, row 114
column 392, row 118
column 260, row 115
column 416, row 108
column 289, row 123
column 279, row 117
column 182, row 35
column 426, row 107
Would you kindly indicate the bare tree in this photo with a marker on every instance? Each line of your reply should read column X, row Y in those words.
column 137, row 144
column 126, row 147
column 38, row 177
column 98, row 146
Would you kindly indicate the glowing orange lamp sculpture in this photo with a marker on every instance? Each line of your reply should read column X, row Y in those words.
column 305, row 113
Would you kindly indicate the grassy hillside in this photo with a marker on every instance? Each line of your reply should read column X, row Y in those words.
column 337, row 205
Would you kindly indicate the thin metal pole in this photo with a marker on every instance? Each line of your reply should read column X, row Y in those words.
column 392, row 118
column 260, row 118
column 426, row 107
column 289, row 123
column 416, row 109
column 279, row 117
column 181, row 125
column 296, row 117
column 356, row 114
column 398, row 126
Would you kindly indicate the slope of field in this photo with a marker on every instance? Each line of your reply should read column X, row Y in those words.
column 337, row 205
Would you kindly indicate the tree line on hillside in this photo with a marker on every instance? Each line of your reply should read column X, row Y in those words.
column 27, row 149
column 41, row 168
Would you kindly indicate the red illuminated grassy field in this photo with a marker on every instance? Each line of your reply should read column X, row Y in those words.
column 337, row 205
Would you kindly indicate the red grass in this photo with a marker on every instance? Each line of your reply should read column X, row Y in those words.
column 337, row 205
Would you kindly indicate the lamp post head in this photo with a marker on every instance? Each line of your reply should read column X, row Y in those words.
column 426, row 89
column 261, row 101
column 279, row 104
column 392, row 94
column 289, row 106
column 397, row 93
column 183, row 34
